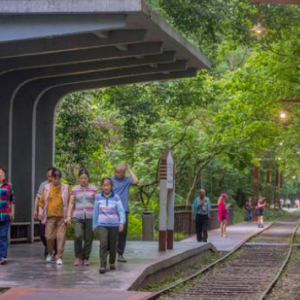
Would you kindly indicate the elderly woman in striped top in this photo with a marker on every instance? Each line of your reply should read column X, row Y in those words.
column 80, row 211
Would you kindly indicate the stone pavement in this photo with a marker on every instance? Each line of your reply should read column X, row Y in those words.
column 27, row 268
column 70, row 294
column 237, row 234
column 30, row 278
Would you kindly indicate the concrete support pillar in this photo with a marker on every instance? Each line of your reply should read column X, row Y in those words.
column 8, row 84
column 21, row 155
column 4, row 125
column 44, row 137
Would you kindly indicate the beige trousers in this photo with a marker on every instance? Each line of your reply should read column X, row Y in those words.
column 56, row 228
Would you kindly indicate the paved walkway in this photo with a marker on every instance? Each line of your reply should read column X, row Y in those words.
column 32, row 279
column 27, row 268
column 237, row 234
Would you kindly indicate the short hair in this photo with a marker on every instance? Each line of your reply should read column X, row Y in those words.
column 107, row 179
column 3, row 169
column 56, row 173
column 84, row 172
column 121, row 167
column 51, row 169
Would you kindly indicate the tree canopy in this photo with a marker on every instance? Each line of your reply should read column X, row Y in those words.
column 219, row 124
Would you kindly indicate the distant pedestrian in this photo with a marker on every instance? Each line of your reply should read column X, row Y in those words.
column 281, row 203
column 80, row 211
column 288, row 203
column 223, row 214
column 7, row 213
column 42, row 227
column 296, row 203
column 53, row 211
column 248, row 207
column 201, row 210
column 261, row 204
column 108, row 220
column 121, row 186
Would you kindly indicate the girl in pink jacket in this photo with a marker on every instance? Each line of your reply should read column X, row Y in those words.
column 223, row 214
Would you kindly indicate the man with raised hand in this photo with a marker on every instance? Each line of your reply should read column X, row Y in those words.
column 122, row 184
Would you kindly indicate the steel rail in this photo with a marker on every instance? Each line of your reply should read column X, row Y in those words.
column 156, row 295
column 270, row 287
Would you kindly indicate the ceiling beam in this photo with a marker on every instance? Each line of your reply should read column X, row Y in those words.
column 70, row 43
column 64, row 58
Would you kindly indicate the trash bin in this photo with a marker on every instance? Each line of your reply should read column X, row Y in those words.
column 148, row 226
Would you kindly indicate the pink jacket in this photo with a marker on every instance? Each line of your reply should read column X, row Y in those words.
column 222, row 211
column 65, row 197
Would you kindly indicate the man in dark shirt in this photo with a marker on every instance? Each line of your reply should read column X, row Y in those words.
column 121, row 187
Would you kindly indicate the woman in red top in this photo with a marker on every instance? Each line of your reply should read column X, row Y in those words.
column 7, row 213
column 261, row 204
column 223, row 214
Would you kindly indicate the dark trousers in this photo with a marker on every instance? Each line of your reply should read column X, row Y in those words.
column 123, row 237
column 4, row 227
column 248, row 215
column 83, row 238
column 108, row 237
column 201, row 227
column 42, row 232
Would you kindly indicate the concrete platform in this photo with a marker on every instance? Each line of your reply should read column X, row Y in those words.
column 27, row 268
column 71, row 293
column 30, row 278
column 237, row 234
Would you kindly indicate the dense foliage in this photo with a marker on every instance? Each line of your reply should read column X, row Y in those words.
column 219, row 124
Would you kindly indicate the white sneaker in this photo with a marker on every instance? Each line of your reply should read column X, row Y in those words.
column 59, row 262
column 48, row 258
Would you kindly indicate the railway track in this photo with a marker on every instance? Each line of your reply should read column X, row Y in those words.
column 288, row 286
column 247, row 273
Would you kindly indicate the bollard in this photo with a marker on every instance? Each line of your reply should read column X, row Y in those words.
column 148, row 226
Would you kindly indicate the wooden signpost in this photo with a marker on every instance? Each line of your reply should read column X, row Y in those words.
column 167, row 197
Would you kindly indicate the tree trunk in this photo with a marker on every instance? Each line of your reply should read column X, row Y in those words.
column 192, row 188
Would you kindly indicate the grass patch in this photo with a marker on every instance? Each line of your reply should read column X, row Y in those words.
column 272, row 215
column 191, row 269
column 239, row 214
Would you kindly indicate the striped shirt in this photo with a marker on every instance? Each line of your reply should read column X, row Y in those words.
column 84, row 201
column 108, row 211
column 7, row 198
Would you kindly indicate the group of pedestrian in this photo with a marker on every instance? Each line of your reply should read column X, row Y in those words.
column 103, row 212
column 202, row 214
column 259, row 210
column 288, row 203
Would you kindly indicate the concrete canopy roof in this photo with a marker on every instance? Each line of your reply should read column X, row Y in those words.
column 50, row 48
column 78, row 41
